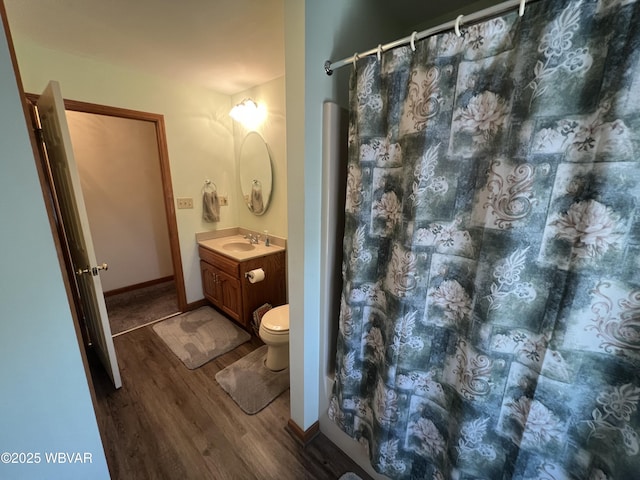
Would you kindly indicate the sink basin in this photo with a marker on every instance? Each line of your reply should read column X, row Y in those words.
column 238, row 246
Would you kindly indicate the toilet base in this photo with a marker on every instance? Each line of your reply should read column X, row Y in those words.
column 277, row 357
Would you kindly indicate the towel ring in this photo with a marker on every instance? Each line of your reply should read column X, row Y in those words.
column 209, row 186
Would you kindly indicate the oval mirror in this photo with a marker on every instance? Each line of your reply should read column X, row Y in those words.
column 254, row 170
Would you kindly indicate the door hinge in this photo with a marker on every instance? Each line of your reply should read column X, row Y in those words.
column 37, row 124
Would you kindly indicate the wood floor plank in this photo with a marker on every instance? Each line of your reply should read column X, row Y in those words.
column 169, row 422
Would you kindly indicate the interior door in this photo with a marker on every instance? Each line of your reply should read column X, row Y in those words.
column 68, row 192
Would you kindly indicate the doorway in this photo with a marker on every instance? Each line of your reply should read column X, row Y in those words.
column 119, row 170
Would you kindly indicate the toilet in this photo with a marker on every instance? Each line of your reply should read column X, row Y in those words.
column 274, row 332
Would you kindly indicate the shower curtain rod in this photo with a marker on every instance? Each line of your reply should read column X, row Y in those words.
column 495, row 10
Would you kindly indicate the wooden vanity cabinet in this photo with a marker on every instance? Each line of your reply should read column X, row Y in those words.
column 221, row 289
column 226, row 287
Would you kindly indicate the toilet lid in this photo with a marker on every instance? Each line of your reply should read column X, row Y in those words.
column 276, row 319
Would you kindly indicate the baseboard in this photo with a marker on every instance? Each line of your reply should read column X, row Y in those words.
column 303, row 436
column 138, row 286
column 197, row 304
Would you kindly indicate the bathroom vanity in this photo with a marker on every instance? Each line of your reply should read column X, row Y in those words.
column 224, row 264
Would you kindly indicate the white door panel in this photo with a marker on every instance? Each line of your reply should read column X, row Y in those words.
column 68, row 192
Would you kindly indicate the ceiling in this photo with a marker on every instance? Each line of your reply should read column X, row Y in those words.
column 226, row 45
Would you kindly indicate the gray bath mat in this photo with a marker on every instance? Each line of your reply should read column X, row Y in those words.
column 252, row 385
column 199, row 336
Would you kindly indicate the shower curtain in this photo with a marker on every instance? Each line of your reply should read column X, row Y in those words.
column 490, row 315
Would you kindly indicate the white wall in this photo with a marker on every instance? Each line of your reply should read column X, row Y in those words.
column 311, row 33
column 303, row 357
column 273, row 131
column 45, row 405
column 119, row 167
column 198, row 127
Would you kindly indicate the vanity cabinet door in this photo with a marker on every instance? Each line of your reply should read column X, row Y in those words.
column 210, row 282
column 222, row 290
column 230, row 296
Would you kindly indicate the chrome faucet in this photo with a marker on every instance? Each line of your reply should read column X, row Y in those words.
column 253, row 239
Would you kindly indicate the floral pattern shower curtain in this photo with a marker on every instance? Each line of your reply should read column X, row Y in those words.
column 490, row 317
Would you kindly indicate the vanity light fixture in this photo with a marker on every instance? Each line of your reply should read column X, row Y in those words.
column 248, row 113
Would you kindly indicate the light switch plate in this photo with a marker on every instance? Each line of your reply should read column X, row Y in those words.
column 184, row 202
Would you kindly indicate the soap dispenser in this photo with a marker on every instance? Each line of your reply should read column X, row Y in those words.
column 267, row 242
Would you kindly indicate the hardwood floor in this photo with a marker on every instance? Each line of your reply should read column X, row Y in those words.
column 169, row 422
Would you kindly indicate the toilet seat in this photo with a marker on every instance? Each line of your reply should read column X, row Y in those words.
column 276, row 320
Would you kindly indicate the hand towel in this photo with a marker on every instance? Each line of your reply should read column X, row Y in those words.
column 257, row 206
column 210, row 207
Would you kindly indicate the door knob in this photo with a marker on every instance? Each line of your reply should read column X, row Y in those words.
column 92, row 270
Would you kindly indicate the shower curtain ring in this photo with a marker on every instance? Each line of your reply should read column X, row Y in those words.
column 379, row 51
column 456, row 26
column 355, row 59
column 413, row 41
column 521, row 12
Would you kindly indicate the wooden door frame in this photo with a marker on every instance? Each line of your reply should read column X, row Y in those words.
column 165, row 174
